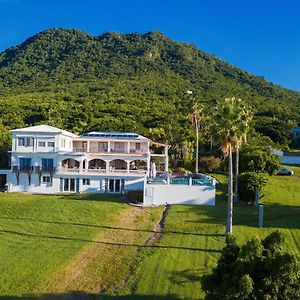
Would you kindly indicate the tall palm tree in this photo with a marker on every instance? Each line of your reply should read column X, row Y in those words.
column 245, row 117
column 228, row 129
column 196, row 117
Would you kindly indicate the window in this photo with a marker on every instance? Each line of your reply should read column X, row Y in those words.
column 26, row 142
column 138, row 146
column 42, row 144
column 119, row 145
column 46, row 179
column 85, row 181
column 29, row 142
column 51, row 144
column 69, row 184
column 47, row 164
column 21, row 141
column 63, row 143
column 25, row 163
column 114, row 185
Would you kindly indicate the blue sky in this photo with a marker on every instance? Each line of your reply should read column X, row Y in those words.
column 261, row 37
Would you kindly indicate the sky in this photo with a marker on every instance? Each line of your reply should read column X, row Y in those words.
column 261, row 37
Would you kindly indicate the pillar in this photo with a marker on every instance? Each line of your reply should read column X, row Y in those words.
column 128, row 147
column 108, row 146
column 128, row 166
column 166, row 159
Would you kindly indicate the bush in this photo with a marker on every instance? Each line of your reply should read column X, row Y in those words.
column 209, row 163
column 256, row 270
column 258, row 160
column 249, row 183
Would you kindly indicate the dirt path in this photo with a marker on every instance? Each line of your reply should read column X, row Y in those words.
column 106, row 263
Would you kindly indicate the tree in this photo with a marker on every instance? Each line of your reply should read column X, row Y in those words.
column 196, row 116
column 259, row 269
column 259, row 160
column 245, row 118
column 230, row 118
column 251, row 183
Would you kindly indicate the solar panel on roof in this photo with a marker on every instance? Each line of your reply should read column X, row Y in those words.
column 111, row 135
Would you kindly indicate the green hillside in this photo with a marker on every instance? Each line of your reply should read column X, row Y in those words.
column 135, row 82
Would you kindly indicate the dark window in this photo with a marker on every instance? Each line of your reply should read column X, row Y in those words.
column 21, row 141
column 50, row 144
column 47, row 164
column 72, row 185
column 137, row 146
column 46, row 179
column 29, row 142
column 25, row 163
column 86, row 181
column 42, row 144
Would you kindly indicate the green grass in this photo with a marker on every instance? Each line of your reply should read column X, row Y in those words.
column 39, row 235
column 193, row 238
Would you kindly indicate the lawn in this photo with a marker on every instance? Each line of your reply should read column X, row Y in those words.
column 193, row 238
column 99, row 244
column 41, row 234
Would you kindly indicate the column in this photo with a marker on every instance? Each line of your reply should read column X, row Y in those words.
column 148, row 165
column 128, row 147
column 108, row 146
column 128, row 166
column 166, row 159
column 88, row 146
column 107, row 165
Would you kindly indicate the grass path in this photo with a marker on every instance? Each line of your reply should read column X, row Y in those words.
column 104, row 264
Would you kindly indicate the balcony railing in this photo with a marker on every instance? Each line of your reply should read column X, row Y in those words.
column 44, row 169
column 22, row 168
column 101, row 171
column 105, row 150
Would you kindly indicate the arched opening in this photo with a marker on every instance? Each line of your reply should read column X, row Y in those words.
column 97, row 164
column 70, row 163
column 118, row 164
column 138, row 165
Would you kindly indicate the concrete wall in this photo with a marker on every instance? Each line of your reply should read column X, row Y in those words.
column 160, row 194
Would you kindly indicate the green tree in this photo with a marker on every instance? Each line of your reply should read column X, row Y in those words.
column 229, row 129
column 259, row 269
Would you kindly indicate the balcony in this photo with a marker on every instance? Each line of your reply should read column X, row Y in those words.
column 93, row 171
column 105, row 151
column 22, row 169
column 44, row 169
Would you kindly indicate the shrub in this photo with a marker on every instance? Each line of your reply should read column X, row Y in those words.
column 256, row 270
column 209, row 163
column 258, row 160
column 249, row 183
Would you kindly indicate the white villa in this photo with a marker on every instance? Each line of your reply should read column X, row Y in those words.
column 45, row 159
column 48, row 160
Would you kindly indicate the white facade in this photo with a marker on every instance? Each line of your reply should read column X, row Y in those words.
column 46, row 159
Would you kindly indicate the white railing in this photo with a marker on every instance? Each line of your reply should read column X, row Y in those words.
column 104, row 150
column 100, row 171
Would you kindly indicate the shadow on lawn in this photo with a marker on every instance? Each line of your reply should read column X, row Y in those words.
column 63, row 238
column 165, row 232
column 186, row 276
column 86, row 296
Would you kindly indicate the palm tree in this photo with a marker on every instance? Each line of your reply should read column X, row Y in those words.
column 245, row 117
column 196, row 117
column 229, row 125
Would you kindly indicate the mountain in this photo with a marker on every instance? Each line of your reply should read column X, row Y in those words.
column 138, row 82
